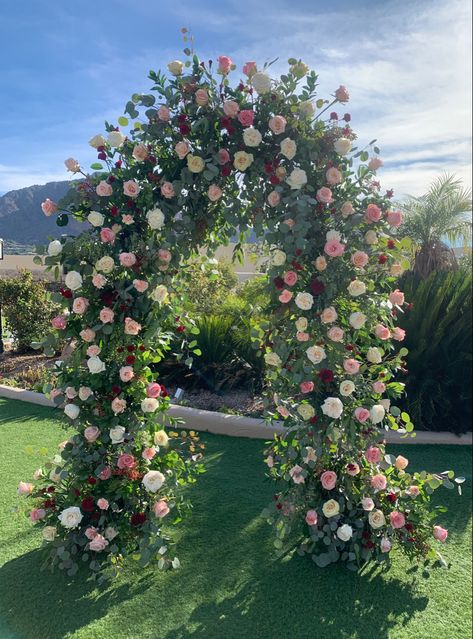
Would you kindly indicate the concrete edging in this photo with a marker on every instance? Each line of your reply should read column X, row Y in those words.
column 241, row 426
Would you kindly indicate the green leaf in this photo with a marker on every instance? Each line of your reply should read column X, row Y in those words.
column 96, row 166
column 123, row 121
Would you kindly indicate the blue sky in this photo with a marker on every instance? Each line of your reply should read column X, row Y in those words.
column 66, row 67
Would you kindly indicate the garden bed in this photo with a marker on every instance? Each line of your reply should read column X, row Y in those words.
column 229, row 585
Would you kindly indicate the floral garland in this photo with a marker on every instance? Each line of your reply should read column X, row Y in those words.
column 204, row 160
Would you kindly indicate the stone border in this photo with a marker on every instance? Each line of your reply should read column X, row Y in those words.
column 240, row 426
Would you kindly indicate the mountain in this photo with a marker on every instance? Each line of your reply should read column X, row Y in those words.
column 23, row 221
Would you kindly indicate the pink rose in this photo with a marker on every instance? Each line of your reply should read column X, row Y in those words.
column 351, row 366
column 182, row 149
column 361, row 414
column 214, row 192
column 48, row 207
column 285, row 297
column 401, row 462
column 302, row 337
column 131, row 188
column 149, row 453
column 99, row 280
column 283, row 411
column 36, row 514
column 440, row 534
column 379, row 482
column 328, row 479
column 103, row 189
column 274, row 198
column 296, row 474
column 311, row 517
column 107, row 235
column 80, row 305
column 277, row 124
column 140, row 152
column 164, row 113
column 201, row 97
column 164, row 255
column 224, row 64
column 379, row 387
column 359, row 259
column 396, row 297
column 334, row 248
column 167, row 190
column 102, row 503
column 153, row 390
column 106, row 315
column 246, row 117
column 372, row 213
column 367, row 504
column 127, row 259
column 374, row 164
column 328, row 315
column 160, row 508
column 249, row 68
column 24, row 488
column 336, row 334
column 342, row 94
column 110, row 533
column 131, row 327
column 88, row 335
column 231, row 108
column 106, row 473
column 140, row 285
column 397, row 519
column 352, row 469
column 126, row 461
column 382, row 332
column 290, row 278
column 59, row 322
column 126, row 373
column 91, row 433
column 333, row 176
column 399, row 334
column 385, row 545
column 128, row 219
column 307, row 387
column 394, row 218
column 92, row 351
column 324, row 195
column 223, row 157
column 118, row 406
column 413, row 491
column 98, row 543
column 373, row 455
column 91, row 532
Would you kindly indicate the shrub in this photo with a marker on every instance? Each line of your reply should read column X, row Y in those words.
column 210, row 284
column 27, row 308
column 440, row 350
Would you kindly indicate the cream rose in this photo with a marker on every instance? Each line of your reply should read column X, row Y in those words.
column 117, row 434
column 357, row 320
column 95, row 365
column 288, row 148
column 105, row 264
column 297, row 179
column 49, row 533
column 159, row 294
column 377, row 413
column 252, row 137
column 306, row 411
column 306, row 109
column 73, row 280
column 72, row 411
column 97, row 140
column 331, row 508
column 115, row 138
column 356, row 288
column 176, row 67
column 304, row 301
column 347, row 387
column 54, row 248
column 332, row 407
column 149, row 404
column 195, row 163
column 376, row 519
column 342, row 146
column 345, row 532
column 242, row 160
column 316, row 354
column 70, row 517
column 272, row 359
column 278, row 257
column 161, row 438
column 153, row 480
column 155, row 219
column 373, row 355
column 95, row 218
column 261, row 82
column 301, row 323
column 371, row 238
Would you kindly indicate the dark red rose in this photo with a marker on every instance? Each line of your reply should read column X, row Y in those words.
column 180, row 329
column 87, row 504
column 334, row 115
column 278, row 506
column 164, row 392
column 268, row 168
column 76, row 492
column 142, row 348
column 49, row 503
column 225, row 122
column 131, row 359
column 226, row 170
column 120, row 349
column 382, row 259
column 118, row 164
column 326, row 375
column 231, row 130
column 317, row 287
column 102, row 156
column 114, row 211
column 391, row 497
column 298, row 252
column 366, row 534
column 137, row 519
column 130, row 348
column 312, row 420
column 107, row 298
column 274, row 180
column 100, row 148
column 278, row 283
column 349, row 347
column 182, row 117
column 390, row 193
column 91, row 480
column 116, row 390
column 111, row 179
column 369, row 545
column 50, row 489
column 184, row 129
column 391, row 244
column 409, row 527
column 65, row 292
column 347, row 117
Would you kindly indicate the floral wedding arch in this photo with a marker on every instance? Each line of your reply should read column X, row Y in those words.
column 203, row 160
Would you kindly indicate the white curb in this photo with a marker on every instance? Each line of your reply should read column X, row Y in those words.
column 240, row 426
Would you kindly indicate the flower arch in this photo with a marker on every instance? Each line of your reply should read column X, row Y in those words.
column 204, row 160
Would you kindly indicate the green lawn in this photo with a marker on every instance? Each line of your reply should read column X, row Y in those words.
column 229, row 585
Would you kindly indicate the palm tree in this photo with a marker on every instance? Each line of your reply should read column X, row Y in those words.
column 442, row 214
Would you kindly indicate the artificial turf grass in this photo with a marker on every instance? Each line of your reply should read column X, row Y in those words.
column 230, row 586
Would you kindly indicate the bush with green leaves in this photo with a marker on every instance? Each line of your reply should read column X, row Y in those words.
column 27, row 308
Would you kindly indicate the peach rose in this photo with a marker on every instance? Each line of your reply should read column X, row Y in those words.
column 126, row 461
column 246, row 117
column 401, row 462
column 102, row 503
column 99, row 280
column 80, row 305
column 163, row 113
column 372, row 213
column 399, row 334
column 285, row 297
column 106, row 315
column 118, row 405
column 324, row 195
column 231, row 108
column 103, row 189
column 379, row 482
column 334, row 248
column 440, row 534
column 91, row 434
column 182, row 149
column 290, row 278
column 153, row 390
column 149, row 453
column 394, row 218
column 396, row 297
column 131, row 188
column 131, row 327
column 201, row 97
column 359, row 259
column 328, row 315
column 311, row 517
column 373, row 455
column 140, row 152
column 347, row 209
column 127, row 259
column 126, row 373
column 351, row 366
column 336, row 334
column 333, row 176
column 382, row 332
column 277, row 124
column 88, row 335
column 362, row 414
column 342, row 94
column 98, row 543
column 328, row 480
column 274, row 198
column 214, row 192
column 224, row 64
column 307, row 387
column 160, row 509
column 48, row 207
column 167, row 190
column 140, row 285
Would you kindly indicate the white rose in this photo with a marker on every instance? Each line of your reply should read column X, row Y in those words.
column 252, row 137
column 356, row 288
column 385, row 403
column 70, row 517
column 153, row 480
column 357, row 320
column 159, row 294
column 149, row 404
column 95, row 218
column 278, row 257
column 332, row 407
column 54, row 476
column 297, row 179
column 95, row 365
column 342, row 146
column 333, row 235
column 155, row 219
column 54, row 248
column 84, row 393
column 161, row 438
column 316, row 354
column 73, row 280
column 97, row 140
column 176, row 67
column 49, row 533
column 376, row 519
column 117, row 434
column 72, row 411
column 115, row 138
column 272, row 359
column 347, row 387
column 331, row 508
column 377, row 413
column 288, row 148
column 306, row 109
column 345, row 532
column 304, row 301
column 261, row 82
column 371, row 237
column 306, row 411
column 373, row 355
column 105, row 264
column 301, row 324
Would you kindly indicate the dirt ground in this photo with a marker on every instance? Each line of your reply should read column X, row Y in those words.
column 11, row 363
